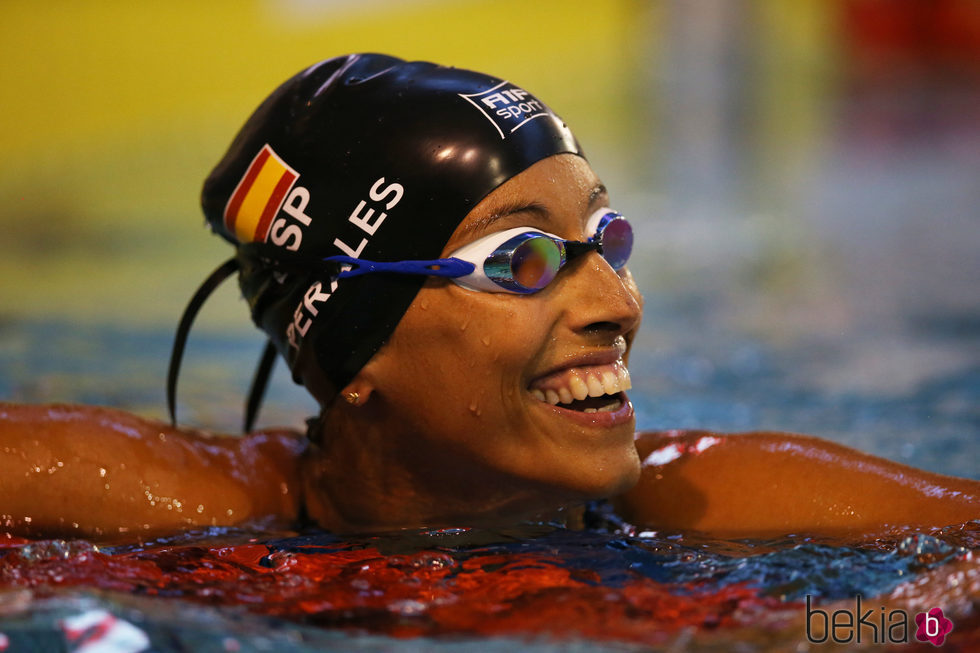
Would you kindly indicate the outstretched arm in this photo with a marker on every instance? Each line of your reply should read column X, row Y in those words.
column 96, row 472
column 765, row 484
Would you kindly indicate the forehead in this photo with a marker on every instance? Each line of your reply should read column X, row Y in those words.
column 559, row 188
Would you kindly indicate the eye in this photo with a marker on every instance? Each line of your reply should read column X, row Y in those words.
column 614, row 233
column 535, row 262
column 617, row 242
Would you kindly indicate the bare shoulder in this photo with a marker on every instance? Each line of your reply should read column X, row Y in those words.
column 764, row 483
column 98, row 470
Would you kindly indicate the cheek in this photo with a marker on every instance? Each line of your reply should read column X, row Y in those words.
column 470, row 345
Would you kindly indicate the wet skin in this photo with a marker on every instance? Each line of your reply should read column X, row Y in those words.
column 109, row 475
column 450, row 429
column 769, row 484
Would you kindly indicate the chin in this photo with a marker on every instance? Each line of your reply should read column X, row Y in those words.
column 622, row 484
column 608, row 480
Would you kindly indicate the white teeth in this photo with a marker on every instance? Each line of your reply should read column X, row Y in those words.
column 610, row 383
column 581, row 383
column 578, row 388
column 590, row 410
column 595, row 386
column 623, row 376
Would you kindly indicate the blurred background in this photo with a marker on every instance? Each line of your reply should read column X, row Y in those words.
column 804, row 178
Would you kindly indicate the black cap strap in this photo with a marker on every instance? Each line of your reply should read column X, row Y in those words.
column 214, row 280
column 259, row 383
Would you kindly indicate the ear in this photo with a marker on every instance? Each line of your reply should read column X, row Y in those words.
column 359, row 391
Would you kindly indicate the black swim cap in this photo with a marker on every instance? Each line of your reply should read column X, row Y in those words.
column 374, row 157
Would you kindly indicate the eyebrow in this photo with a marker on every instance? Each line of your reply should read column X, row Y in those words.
column 483, row 223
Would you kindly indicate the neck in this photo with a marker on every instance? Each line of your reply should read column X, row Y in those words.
column 364, row 476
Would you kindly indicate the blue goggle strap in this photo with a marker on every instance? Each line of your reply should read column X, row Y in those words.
column 443, row 267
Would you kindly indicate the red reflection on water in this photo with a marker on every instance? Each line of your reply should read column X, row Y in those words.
column 426, row 593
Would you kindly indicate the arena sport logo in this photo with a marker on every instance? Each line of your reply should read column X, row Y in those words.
column 266, row 188
column 507, row 107
column 878, row 627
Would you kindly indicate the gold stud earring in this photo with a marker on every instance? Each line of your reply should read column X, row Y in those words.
column 352, row 398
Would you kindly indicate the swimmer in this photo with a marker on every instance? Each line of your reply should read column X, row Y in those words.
column 432, row 255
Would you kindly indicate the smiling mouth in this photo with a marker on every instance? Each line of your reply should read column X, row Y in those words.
column 589, row 389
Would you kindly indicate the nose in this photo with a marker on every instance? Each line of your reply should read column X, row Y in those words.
column 599, row 302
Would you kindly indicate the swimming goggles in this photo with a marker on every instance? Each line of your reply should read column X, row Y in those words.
column 520, row 260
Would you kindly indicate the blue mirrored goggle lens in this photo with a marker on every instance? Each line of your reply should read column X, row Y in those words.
column 535, row 262
column 616, row 238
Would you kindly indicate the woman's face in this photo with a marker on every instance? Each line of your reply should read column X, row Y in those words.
column 467, row 375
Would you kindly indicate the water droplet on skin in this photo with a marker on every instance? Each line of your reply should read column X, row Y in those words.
column 475, row 409
column 462, row 327
column 485, row 340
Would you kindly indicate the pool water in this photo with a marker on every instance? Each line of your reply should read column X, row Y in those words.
column 609, row 587
column 541, row 587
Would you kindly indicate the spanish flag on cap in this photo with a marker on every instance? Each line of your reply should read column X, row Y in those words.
column 258, row 196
